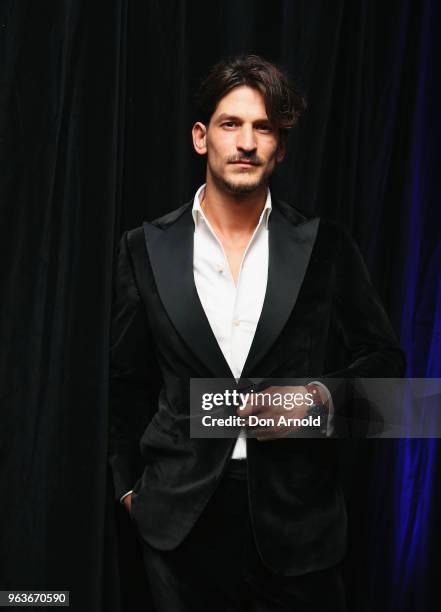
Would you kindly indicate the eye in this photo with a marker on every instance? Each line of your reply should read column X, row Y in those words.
column 264, row 127
column 229, row 124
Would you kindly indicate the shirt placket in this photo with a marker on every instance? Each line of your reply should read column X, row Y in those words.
column 235, row 331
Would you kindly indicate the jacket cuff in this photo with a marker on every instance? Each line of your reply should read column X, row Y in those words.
column 121, row 499
column 330, row 421
column 123, row 475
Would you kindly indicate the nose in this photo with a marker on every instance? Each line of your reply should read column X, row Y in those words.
column 246, row 139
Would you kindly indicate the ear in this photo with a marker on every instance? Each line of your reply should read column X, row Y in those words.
column 199, row 134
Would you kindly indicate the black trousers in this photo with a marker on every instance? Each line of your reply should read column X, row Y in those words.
column 217, row 568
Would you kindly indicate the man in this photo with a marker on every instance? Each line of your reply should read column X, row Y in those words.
column 235, row 284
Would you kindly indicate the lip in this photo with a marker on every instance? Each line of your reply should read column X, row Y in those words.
column 242, row 163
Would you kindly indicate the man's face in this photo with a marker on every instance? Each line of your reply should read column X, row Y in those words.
column 242, row 146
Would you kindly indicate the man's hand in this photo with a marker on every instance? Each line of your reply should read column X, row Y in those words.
column 294, row 405
column 127, row 501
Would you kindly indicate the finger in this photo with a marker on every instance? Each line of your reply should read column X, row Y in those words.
column 265, row 430
column 245, row 410
column 249, row 409
column 278, row 436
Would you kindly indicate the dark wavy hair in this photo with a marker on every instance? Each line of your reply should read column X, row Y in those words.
column 283, row 103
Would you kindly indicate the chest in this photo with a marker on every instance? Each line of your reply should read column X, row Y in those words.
column 231, row 282
column 234, row 256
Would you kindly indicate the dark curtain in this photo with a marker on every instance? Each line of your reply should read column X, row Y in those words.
column 95, row 114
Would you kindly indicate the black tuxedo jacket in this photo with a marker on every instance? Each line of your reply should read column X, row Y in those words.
column 321, row 317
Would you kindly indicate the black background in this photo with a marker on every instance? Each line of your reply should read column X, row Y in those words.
column 95, row 112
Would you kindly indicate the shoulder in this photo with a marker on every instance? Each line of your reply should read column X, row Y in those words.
column 333, row 239
column 290, row 212
column 135, row 236
column 172, row 216
column 297, row 216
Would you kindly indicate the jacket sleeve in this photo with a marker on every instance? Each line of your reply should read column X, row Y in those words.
column 369, row 341
column 134, row 377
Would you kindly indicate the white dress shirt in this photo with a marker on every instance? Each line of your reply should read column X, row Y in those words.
column 233, row 311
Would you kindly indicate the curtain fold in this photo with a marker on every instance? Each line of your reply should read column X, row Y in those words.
column 96, row 107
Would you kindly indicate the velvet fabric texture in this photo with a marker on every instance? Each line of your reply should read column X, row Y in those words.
column 218, row 567
column 319, row 296
column 96, row 107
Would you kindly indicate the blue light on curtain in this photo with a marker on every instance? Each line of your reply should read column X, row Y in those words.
column 420, row 338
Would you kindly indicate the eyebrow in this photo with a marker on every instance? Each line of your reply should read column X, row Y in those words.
column 224, row 116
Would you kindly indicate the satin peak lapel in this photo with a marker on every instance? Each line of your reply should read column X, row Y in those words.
column 290, row 247
column 171, row 256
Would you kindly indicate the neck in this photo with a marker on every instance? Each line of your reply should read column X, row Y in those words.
column 233, row 215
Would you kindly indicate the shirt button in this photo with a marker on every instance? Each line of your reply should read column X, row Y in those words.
column 236, row 322
column 219, row 269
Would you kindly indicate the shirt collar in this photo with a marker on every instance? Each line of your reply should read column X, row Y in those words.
column 198, row 213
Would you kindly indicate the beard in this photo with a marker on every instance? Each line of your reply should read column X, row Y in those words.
column 237, row 186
